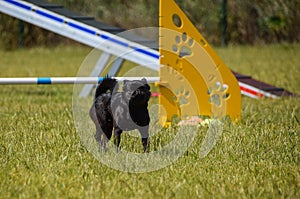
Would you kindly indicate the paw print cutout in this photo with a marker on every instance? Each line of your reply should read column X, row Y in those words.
column 183, row 45
column 217, row 93
column 174, row 73
column 181, row 96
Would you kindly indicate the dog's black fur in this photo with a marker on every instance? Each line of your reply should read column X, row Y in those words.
column 118, row 111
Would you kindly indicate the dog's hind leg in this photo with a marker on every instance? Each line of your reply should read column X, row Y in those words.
column 145, row 137
column 99, row 131
column 117, row 137
column 107, row 135
column 98, row 134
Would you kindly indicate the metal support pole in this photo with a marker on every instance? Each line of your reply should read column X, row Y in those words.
column 115, row 67
column 224, row 22
column 99, row 67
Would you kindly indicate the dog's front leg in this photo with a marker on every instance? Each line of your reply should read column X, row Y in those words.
column 117, row 137
column 145, row 137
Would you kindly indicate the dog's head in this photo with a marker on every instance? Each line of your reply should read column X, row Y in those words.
column 137, row 91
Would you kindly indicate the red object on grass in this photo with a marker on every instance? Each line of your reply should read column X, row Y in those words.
column 155, row 94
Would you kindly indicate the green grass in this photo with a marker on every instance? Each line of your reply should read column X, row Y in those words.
column 42, row 155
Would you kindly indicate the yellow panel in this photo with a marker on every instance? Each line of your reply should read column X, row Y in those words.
column 194, row 80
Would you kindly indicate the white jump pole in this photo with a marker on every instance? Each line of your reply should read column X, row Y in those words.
column 67, row 80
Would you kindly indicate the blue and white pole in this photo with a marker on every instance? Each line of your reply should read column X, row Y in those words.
column 67, row 80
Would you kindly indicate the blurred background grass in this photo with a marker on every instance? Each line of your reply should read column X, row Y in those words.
column 248, row 23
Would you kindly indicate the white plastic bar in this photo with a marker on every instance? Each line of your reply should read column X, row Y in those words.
column 68, row 80
column 93, row 37
column 81, row 32
column 253, row 92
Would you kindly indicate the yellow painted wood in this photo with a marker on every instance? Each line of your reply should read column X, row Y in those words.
column 194, row 80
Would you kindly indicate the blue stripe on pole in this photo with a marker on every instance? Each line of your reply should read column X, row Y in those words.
column 55, row 18
column 114, row 40
column 44, row 80
column 100, row 79
column 19, row 4
column 146, row 52
column 82, row 28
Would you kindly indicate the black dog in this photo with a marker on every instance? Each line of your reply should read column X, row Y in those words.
column 118, row 111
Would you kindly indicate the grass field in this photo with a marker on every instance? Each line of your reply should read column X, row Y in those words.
column 42, row 155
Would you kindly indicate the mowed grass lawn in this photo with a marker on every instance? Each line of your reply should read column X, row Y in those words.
column 42, row 155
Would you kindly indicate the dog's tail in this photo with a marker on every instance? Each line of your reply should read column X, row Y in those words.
column 108, row 84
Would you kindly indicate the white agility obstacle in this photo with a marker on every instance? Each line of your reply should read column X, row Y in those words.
column 78, row 31
column 68, row 80
column 192, row 80
column 72, row 27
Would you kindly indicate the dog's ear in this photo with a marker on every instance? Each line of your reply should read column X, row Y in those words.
column 144, row 81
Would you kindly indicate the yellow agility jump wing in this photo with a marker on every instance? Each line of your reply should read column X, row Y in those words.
column 194, row 80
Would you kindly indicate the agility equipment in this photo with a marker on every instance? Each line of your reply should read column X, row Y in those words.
column 87, row 30
column 68, row 80
column 183, row 54
column 188, row 54
column 78, row 28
